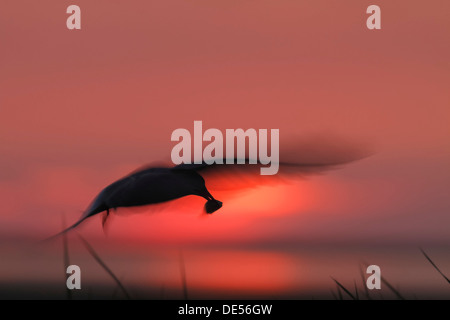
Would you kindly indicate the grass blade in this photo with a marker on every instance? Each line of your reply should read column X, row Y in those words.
column 334, row 295
column 435, row 266
column 66, row 259
column 366, row 291
column 103, row 265
column 183, row 276
column 343, row 288
column 391, row 287
column 339, row 293
column 116, row 289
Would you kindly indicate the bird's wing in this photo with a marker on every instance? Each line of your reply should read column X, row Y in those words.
column 298, row 160
column 144, row 168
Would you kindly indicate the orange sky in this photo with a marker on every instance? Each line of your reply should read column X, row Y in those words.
column 80, row 109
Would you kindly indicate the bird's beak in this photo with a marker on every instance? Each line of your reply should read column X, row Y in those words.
column 212, row 205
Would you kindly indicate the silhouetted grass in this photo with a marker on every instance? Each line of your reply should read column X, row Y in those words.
column 66, row 259
column 435, row 266
column 183, row 276
column 339, row 292
column 395, row 291
column 116, row 290
column 343, row 288
column 391, row 287
column 356, row 292
column 103, row 265
column 366, row 291
column 334, row 295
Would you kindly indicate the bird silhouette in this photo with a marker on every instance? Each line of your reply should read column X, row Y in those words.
column 153, row 185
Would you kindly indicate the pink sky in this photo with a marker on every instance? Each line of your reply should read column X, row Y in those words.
column 80, row 109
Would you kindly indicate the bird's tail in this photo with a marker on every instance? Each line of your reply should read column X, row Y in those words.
column 65, row 230
column 88, row 213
